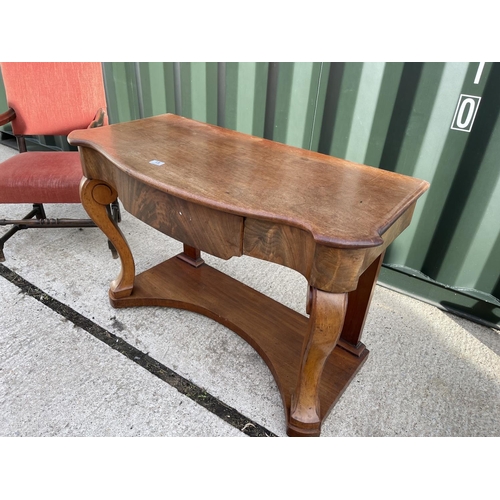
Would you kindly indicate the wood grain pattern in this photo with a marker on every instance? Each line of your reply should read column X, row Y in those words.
column 285, row 245
column 338, row 270
column 357, row 308
column 327, row 312
column 96, row 196
column 198, row 226
column 252, row 177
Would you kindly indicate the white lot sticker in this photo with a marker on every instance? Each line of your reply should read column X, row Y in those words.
column 157, row 162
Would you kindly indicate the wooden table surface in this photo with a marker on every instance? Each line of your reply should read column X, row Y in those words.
column 340, row 203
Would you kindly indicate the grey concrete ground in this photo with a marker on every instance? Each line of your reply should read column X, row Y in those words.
column 429, row 373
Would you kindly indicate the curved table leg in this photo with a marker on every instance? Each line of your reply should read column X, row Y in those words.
column 96, row 195
column 327, row 313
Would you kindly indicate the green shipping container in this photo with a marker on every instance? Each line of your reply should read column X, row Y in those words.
column 434, row 121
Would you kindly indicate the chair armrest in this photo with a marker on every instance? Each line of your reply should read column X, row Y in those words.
column 99, row 119
column 7, row 117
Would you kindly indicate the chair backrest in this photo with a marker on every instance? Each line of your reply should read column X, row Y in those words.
column 53, row 98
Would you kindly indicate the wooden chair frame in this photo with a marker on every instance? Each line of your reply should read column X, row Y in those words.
column 37, row 217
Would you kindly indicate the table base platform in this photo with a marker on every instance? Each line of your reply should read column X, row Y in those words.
column 275, row 331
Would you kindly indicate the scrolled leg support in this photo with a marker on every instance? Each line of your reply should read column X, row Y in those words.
column 327, row 313
column 96, row 196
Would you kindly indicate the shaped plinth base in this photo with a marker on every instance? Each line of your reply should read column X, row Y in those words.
column 272, row 329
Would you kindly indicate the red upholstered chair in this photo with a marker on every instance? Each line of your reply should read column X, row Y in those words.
column 48, row 99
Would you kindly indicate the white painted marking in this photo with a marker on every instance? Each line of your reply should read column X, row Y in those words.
column 465, row 112
column 466, row 103
column 479, row 73
column 157, row 162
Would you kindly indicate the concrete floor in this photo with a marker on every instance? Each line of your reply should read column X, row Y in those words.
column 429, row 373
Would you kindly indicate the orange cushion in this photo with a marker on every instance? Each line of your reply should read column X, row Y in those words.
column 41, row 177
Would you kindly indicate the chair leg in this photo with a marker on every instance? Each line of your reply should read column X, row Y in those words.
column 115, row 215
column 11, row 232
column 115, row 210
column 38, row 212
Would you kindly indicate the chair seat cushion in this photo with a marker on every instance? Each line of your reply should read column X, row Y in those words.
column 41, row 177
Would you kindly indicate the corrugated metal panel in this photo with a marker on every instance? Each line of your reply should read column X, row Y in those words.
column 245, row 89
column 435, row 121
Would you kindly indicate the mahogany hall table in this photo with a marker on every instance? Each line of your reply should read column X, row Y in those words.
column 231, row 194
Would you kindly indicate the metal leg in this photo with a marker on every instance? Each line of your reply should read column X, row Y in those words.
column 38, row 219
column 38, row 212
column 114, row 214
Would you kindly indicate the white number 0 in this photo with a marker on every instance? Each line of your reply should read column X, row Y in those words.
column 467, row 106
